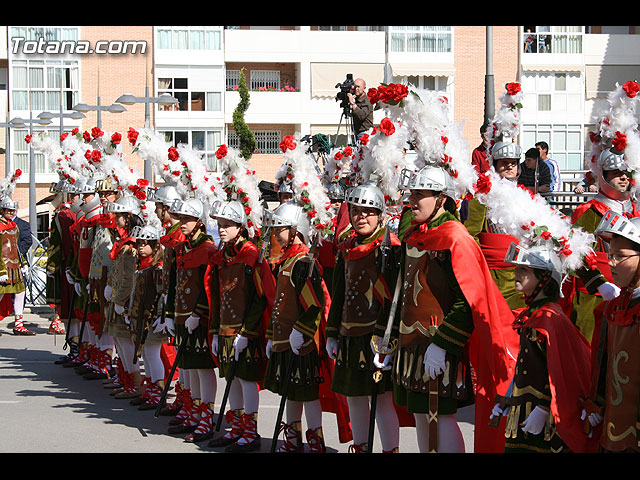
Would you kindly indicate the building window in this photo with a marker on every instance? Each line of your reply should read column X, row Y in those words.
column 552, row 39
column 565, row 142
column 188, row 101
column 189, row 38
column 552, row 92
column 268, row 141
column 20, row 150
column 424, row 39
column 420, row 83
column 44, row 85
column 206, row 141
column 47, row 33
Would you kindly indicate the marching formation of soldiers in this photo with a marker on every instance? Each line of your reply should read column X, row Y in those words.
column 361, row 293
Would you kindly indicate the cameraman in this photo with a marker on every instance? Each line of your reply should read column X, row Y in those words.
column 361, row 108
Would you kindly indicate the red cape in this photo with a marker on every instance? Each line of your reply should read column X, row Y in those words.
column 568, row 352
column 494, row 344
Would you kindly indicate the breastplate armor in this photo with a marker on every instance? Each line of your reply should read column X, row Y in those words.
column 286, row 310
column 189, row 281
column 233, row 297
column 426, row 296
column 360, row 308
column 10, row 255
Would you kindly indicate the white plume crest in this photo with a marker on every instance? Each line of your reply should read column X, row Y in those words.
column 240, row 183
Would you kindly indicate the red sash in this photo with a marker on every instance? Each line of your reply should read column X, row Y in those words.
column 494, row 247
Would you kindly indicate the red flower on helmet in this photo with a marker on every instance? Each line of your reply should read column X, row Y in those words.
column 288, row 143
column 116, row 138
column 132, row 136
column 483, row 185
column 96, row 132
column 619, row 142
column 173, row 154
column 387, row 127
column 513, row 88
column 221, row 152
column 631, row 88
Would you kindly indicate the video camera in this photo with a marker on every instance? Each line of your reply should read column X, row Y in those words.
column 348, row 86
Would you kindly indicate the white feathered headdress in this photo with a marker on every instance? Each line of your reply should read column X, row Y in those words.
column 617, row 129
column 517, row 211
column 239, row 182
column 300, row 172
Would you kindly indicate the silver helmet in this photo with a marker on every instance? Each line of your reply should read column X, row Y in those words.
column 92, row 208
column 232, row 210
column 613, row 223
column 541, row 257
column 146, row 232
column 608, row 161
column 90, row 185
column 191, row 207
column 7, row 204
column 289, row 214
column 74, row 187
column 165, row 195
column 366, row 195
column 124, row 204
column 335, row 191
column 429, row 177
column 506, row 149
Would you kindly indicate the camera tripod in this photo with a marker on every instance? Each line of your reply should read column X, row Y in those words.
column 351, row 135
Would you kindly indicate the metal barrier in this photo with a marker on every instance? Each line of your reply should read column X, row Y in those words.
column 35, row 277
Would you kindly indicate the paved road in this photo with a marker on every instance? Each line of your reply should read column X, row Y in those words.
column 45, row 408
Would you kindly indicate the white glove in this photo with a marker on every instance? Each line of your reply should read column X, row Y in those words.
column 594, row 418
column 609, row 291
column 78, row 289
column 332, row 347
column 24, row 269
column 239, row 344
column 267, row 349
column 119, row 309
column 434, row 360
column 535, row 422
column 498, row 411
column 192, row 323
column 170, row 326
column 4, row 278
column 296, row 339
column 67, row 273
column 385, row 364
column 214, row 345
column 88, row 288
column 108, row 291
column 158, row 326
column 127, row 320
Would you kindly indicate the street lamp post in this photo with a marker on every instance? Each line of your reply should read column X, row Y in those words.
column 18, row 122
column 164, row 99
column 489, row 95
column 62, row 116
column 113, row 108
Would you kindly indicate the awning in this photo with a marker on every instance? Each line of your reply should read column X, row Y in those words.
column 325, row 76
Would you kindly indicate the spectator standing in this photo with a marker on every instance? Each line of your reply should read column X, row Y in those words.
column 535, row 175
column 556, row 179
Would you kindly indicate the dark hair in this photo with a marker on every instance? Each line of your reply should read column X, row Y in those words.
column 484, row 127
column 551, row 288
column 543, row 145
column 532, row 153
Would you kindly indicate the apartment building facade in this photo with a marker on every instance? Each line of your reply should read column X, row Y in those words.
column 292, row 73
